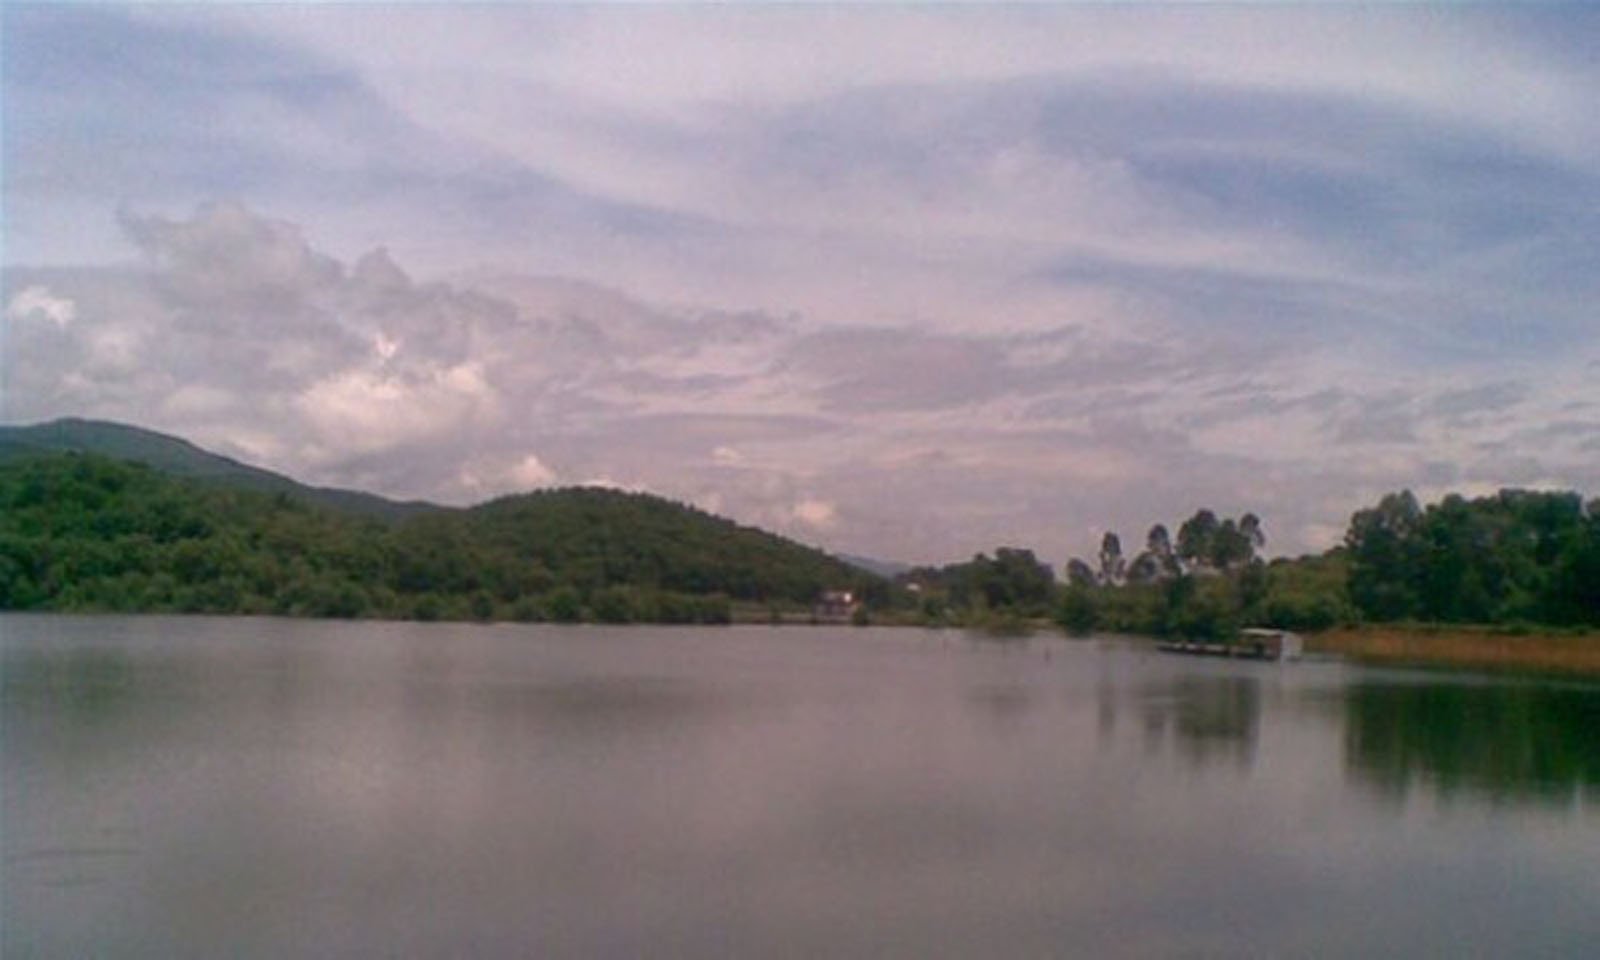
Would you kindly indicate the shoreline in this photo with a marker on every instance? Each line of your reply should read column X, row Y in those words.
column 1464, row 647
column 1532, row 650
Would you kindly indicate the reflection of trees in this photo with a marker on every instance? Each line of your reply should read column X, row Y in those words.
column 1208, row 717
column 1513, row 742
column 1003, row 704
column 84, row 686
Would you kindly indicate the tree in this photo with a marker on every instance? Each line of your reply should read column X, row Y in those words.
column 1145, row 568
column 1513, row 557
column 1158, row 543
column 562, row 605
column 1575, row 582
column 1013, row 579
column 1250, row 526
column 1230, row 546
column 1196, row 536
column 1385, row 556
column 1078, row 613
column 1112, row 566
column 1176, row 597
column 1252, row 584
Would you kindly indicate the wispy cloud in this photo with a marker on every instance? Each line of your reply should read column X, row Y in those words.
column 905, row 281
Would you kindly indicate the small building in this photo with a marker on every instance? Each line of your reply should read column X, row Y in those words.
column 1272, row 644
column 836, row 606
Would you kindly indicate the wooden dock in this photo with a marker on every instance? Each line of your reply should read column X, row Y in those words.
column 1236, row 651
column 1253, row 644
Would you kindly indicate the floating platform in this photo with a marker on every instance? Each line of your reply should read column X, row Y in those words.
column 1253, row 644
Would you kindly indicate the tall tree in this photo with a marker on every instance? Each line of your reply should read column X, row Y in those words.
column 1229, row 546
column 1079, row 573
column 1250, row 526
column 1112, row 565
column 1196, row 538
column 1385, row 555
column 1158, row 542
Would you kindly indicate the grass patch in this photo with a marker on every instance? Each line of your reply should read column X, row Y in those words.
column 1517, row 647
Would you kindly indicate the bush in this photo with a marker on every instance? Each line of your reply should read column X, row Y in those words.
column 612, row 605
column 1078, row 613
column 562, row 605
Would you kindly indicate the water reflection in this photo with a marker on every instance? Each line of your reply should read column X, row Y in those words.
column 1206, row 718
column 86, row 686
column 1005, row 704
column 1509, row 741
column 189, row 787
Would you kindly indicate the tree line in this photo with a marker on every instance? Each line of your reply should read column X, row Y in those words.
column 1207, row 582
column 1517, row 558
column 84, row 532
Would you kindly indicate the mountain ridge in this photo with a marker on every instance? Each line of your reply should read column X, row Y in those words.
column 102, row 516
column 184, row 458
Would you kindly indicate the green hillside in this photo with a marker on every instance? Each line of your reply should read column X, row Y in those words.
column 85, row 532
column 598, row 536
column 181, row 458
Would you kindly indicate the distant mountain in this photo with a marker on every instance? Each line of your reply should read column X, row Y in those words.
column 888, row 569
column 181, row 458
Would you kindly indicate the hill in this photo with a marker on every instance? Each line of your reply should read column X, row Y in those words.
column 599, row 536
column 181, row 458
column 81, row 531
column 888, row 569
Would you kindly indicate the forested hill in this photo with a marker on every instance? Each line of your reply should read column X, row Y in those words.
column 80, row 531
column 597, row 536
column 181, row 458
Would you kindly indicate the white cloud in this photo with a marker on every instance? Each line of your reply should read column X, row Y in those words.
column 957, row 275
column 198, row 400
column 529, row 472
column 496, row 475
column 384, row 347
column 38, row 303
column 365, row 411
column 817, row 514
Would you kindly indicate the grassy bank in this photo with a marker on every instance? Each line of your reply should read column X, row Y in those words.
column 1475, row 647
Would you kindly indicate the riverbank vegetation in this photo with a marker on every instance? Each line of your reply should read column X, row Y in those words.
column 1206, row 583
column 1566, row 650
column 85, row 532
column 1521, row 560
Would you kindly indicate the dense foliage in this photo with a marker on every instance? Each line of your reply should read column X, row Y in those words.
column 82, row 532
column 1513, row 559
column 1010, row 587
column 1209, row 583
column 1517, row 556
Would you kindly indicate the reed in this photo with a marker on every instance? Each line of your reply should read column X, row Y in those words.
column 1499, row 648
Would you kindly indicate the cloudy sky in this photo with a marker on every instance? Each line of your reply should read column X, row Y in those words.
column 904, row 281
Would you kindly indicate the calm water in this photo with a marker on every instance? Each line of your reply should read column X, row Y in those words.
column 202, row 787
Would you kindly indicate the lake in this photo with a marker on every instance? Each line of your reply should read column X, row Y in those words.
column 197, row 787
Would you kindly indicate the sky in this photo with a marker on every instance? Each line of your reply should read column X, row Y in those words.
column 904, row 281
